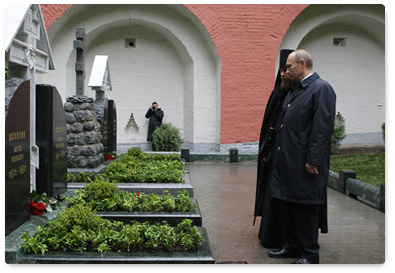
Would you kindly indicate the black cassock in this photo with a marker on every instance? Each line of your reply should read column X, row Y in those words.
column 266, row 206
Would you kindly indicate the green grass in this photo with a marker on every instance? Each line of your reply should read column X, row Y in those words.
column 370, row 168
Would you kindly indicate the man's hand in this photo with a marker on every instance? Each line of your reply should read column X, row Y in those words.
column 311, row 169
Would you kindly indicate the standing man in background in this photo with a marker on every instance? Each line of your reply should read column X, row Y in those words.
column 155, row 115
column 301, row 158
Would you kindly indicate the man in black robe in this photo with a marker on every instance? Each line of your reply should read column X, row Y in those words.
column 155, row 116
column 301, row 158
column 265, row 206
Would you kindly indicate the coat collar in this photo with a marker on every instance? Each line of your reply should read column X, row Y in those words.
column 309, row 80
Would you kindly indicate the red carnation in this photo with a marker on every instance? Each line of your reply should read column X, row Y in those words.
column 138, row 194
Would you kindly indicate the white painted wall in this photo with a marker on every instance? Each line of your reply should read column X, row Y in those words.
column 174, row 63
column 356, row 71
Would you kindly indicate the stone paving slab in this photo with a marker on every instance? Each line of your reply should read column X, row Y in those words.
column 226, row 194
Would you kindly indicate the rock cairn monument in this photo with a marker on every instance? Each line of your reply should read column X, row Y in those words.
column 84, row 147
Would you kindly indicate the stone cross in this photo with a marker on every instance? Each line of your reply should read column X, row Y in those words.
column 27, row 51
column 80, row 46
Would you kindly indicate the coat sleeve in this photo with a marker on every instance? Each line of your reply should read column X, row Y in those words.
column 159, row 114
column 148, row 114
column 324, row 110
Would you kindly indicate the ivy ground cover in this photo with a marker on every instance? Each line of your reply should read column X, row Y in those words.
column 103, row 195
column 135, row 166
column 79, row 229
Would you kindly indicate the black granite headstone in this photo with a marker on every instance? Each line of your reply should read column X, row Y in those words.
column 51, row 138
column 17, row 153
column 112, row 126
column 101, row 109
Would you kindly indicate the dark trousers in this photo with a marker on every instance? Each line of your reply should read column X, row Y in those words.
column 300, row 222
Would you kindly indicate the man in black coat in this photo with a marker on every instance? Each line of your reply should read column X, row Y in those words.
column 265, row 206
column 301, row 158
column 155, row 116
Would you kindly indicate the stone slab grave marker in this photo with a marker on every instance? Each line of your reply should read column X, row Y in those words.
column 112, row 126
column 17, row 153
column 51, row 138
column 27, row 50
column 84, row 146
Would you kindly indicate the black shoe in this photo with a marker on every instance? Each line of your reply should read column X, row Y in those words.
column 283, row 253
column 303, row 261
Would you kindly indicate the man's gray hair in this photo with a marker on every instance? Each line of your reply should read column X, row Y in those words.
column 301, row 54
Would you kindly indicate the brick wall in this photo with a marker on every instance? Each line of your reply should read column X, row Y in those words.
column 51, row 13
column 247, row 38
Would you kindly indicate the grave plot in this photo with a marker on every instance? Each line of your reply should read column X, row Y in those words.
column 78, row 235
column 173, row 218
column 136, row 171
column 119, row 205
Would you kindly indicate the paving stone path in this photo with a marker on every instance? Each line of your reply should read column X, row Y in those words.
column 226, row 194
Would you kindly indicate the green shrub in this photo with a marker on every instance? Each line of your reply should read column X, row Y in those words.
column 78, row 228
column 189, row 237
column 338, row 135
column 166, row 138
column 137, row 166
column 105, row 196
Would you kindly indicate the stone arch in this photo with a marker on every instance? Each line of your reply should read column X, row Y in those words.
column 173, row 46
column 343, row 39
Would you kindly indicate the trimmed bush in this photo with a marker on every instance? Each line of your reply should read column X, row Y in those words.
column 338, row 135
column 167, row 138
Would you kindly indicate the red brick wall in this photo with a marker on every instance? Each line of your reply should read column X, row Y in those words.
column 247, row 38
column 52, row 12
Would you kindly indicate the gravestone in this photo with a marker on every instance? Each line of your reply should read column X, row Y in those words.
column 101, row 110
column 17, row 153
column 112, row 126
column 51, row 139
